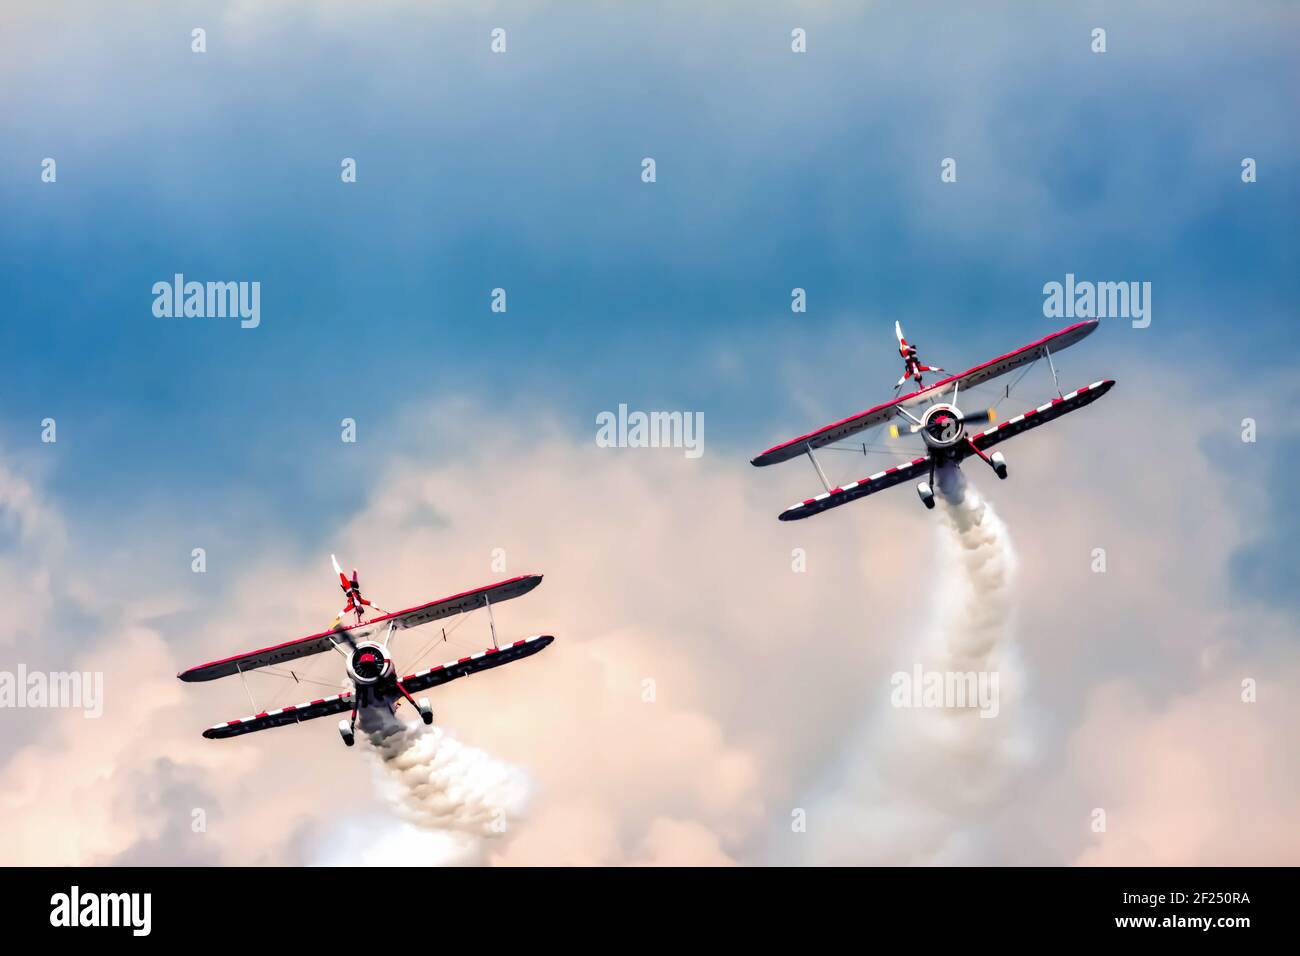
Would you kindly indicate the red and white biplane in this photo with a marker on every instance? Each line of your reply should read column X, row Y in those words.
column 376, row 689
column 932, row 412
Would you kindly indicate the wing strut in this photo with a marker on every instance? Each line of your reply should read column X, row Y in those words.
column 492, row 622
column 820, row 474
column 1055, row 381
column 244, row 680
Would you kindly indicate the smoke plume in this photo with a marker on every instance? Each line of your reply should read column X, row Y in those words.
column 437, row 782
column 451, row 801
column 918, row 781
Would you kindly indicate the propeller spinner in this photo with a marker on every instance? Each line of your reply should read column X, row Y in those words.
column 943, row 424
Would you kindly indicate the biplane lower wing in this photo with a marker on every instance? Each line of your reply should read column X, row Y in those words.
column 296, row 714
column 1041, row 415
column 484, row 660
column 858, row 489
column 423, row 680
column 917, row 467
column 970, row 378
column 411, row 617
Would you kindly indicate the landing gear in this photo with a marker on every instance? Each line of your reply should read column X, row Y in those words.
column 348, row 728
column 995, row 461
column 999, row 464
column 421, row 706
column 926, row 493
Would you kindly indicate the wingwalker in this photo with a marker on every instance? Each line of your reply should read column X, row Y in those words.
column 932, row 412
column 376, row 687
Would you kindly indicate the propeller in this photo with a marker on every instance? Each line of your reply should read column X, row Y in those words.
column 984, row 415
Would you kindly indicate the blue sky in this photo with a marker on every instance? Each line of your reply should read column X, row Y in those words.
column 522, row 171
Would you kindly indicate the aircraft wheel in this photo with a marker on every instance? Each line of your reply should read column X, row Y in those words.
column 926, row 494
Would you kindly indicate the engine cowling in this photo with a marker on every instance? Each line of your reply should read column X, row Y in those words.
column 369, row 664
column 942, row 426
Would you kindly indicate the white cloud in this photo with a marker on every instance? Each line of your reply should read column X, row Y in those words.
column 676, row 572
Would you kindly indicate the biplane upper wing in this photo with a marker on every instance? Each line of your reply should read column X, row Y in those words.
column 463, row 602
column 968, row 379
column 1042, row 414
column 322, row 707
column 411, row 617
column 829, row 433
column 483, row 660
column 857, row 489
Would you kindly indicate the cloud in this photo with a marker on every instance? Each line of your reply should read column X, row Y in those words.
column 385, row 843
column 33, row 539
column 80, row 790
column 700, row 687
column 1202, row 778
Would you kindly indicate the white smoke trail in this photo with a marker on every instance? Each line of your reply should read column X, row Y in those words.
column 920, row 782
column 436, row 782
column 451, row 800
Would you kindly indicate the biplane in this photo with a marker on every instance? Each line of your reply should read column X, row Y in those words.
column 376, row 690
column 932, row 412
